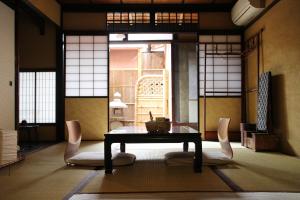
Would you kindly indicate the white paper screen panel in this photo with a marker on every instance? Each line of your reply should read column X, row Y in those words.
column 37, row 101
column 220, row 65
column 27, row 97
column 86, row 63
column 45, row 97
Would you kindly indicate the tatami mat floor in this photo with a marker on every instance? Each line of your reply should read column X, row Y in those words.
column 191, row 196
column 43, row 175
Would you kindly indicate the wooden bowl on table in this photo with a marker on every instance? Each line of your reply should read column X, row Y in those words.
column 151, row 126
column 163, row 127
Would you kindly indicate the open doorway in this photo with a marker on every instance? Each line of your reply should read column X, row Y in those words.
column 140, row 78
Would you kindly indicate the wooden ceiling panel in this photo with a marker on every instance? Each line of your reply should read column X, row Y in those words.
column 167, row 1
column 225, row 1
column 136, row 1
column 197, row 1
column 105, row 1
column 73, row 1
column 145, row 1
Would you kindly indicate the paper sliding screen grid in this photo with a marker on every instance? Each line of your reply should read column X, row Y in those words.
column 176, row 18
column 45, row 97
column 221, row 56
column 27, row 96
column 37, row 103
column 127, row 18
column 86, row 61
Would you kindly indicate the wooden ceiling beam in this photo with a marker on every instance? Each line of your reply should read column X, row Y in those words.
column 222, row 7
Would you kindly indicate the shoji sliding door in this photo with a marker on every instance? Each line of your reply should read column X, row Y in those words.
column 86, row 83
column 220, row 82
column 86, row 66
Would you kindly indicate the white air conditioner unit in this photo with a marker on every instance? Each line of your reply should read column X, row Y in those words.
column 244, row 11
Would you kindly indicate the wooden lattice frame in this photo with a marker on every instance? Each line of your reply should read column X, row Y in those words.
column 151, row 95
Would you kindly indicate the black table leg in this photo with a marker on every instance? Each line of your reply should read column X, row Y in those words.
column 36, row 135
column 198, row 157
column 29, row 135
column 185, row 146
column 122, row 146
column 107, row 157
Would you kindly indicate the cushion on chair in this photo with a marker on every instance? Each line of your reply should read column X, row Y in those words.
column 96, row 159
column 87, row 159
column 187, row 158
column 215, row 158
column 121, row 159
column 179, row 158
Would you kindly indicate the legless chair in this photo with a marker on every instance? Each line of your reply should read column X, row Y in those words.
column 209, row 158
column 72, row 157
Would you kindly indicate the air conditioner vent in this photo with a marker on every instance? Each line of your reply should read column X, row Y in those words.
column 244, row 11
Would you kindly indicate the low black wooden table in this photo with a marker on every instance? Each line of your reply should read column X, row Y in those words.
column 27, row 128
column 138, row 134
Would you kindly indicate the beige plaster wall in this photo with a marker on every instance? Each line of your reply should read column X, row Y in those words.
column 7, row 67
column 280, row 54
column 92, row 114
column 220, row 107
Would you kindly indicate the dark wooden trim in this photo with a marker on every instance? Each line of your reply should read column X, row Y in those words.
column 41, row 124
column 198, row 79
column 154, row 41
column 221, row 97
column 226, row 179
column 60, row 91
column 87, row 32
column 148, row 29
column 204, row 97
column 199, row 31
column 244, row 97
column 87, row 179
column 262, row 13
column 64, row 67
column 38, row 70
column 236, row 31
column 222, row 7
column 108, row 81
column 232, row 135
column 64, row 78
column 86, row 97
